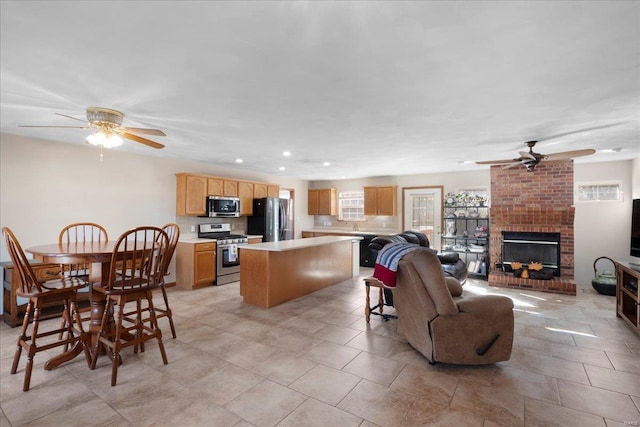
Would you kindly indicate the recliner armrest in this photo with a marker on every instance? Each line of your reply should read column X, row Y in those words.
column 485, row 304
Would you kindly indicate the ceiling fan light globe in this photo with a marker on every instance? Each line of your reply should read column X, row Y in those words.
column 113, row 140
column 97, row 138
column 108, row 141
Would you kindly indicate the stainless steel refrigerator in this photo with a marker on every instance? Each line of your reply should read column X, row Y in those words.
column 272, row 218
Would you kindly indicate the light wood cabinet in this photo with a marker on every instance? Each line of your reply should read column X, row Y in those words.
column 627, row 300
column 323, row 202
column 230, row 188
column 191, row 194
column 380, row 200
column 273, row 191
column 192, row 191
column 215, row 186
column 260, row 190
column 246, row 194
column 253, row 240
column 195, row 265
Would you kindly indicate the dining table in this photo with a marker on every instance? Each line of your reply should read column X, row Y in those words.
column 99, row 255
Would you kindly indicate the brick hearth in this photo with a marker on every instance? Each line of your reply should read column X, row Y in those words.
column 538, row 201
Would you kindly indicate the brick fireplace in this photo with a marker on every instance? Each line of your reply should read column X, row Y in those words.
column 542, row 202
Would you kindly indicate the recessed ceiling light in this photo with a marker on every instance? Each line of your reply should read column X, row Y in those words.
column 281, row 168
column 326, row 164
column 286, row 153
column 238, row 160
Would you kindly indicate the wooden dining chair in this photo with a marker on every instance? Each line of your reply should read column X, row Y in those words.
column 148, row 248
column 173, row 232
column 81, row 232
column 39, row 294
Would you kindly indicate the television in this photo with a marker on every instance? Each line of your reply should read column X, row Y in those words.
column 635, row 229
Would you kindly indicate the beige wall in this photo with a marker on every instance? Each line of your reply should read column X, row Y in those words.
column 601, row 229
column 46, row 185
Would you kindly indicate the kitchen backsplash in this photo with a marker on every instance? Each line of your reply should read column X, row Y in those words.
column 238, row 225
column 371, row 223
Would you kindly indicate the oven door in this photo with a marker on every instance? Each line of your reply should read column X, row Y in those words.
column 228, row 257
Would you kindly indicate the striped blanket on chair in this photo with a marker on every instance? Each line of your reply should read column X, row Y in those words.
column 387, row 261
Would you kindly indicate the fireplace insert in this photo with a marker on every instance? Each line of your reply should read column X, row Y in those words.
column 527, row 247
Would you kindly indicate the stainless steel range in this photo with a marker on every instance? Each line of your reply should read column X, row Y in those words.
column 228, row 255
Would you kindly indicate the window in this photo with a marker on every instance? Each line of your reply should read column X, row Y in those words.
column 351, row 206
column 598, row 192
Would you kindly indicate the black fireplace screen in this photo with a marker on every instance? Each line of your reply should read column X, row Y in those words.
column 527, row 247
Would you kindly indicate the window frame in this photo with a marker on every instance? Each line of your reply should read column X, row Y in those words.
column 342, row 197
column 579, row 185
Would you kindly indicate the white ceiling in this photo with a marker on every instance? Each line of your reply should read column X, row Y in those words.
column 374, row 88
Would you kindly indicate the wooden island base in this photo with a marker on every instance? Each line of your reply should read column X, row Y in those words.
column 276, row 272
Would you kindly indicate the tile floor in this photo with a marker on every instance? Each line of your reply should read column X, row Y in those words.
column 316, row 362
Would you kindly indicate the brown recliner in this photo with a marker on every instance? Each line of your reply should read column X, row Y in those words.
column 470, row 330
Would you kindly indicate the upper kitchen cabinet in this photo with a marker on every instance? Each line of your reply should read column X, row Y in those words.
column 215, row 186
column 246, row 195
column 380, row 200
column 261, row 190
column 230, row 188
column 273, row 190
column 191, row 193
column 323, row 202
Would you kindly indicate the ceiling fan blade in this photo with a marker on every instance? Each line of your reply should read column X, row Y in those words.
column 496, row 162
column 144, row 131
column 141, row 140
column 527, row 155
column 566, row 155
column 559, row 135
column 510, row 166
column 71, row 117
column 68, row 127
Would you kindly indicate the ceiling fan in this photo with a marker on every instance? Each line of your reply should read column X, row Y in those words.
column 530, row 159
column 109, row 129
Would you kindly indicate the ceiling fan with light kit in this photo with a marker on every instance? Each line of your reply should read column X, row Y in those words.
column 530, row 159
column 107, row 124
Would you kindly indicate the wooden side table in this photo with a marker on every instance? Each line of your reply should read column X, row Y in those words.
column 368, row 310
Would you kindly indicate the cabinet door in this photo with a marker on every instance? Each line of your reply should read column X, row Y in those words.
column 245, row 193
column 204, row 267
column 230, row 188
column 260, row 190
column 195, row 195
column 273, row 191
column 386, row 201
column 214, row 187
column 313, row 202
column 370, row 200
column 324, row 202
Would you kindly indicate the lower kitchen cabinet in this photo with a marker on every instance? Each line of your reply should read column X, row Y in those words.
column 195, row 265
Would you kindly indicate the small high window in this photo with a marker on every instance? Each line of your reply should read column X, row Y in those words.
column 351, row 206
column 598, row 192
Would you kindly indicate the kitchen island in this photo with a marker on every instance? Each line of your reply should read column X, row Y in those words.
column 275, row 272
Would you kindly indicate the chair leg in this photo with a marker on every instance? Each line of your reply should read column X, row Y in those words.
column 116, row 343
column 32, row 348
column 168, row 311
column 154, row 326
column 103, row 324
column 22, row 337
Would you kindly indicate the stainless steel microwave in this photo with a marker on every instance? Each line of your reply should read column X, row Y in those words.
column 220, row 206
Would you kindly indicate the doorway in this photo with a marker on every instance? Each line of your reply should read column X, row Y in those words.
column 422, row 211
column 287, row 214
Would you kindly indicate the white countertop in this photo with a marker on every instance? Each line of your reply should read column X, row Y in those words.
column 288, row 245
